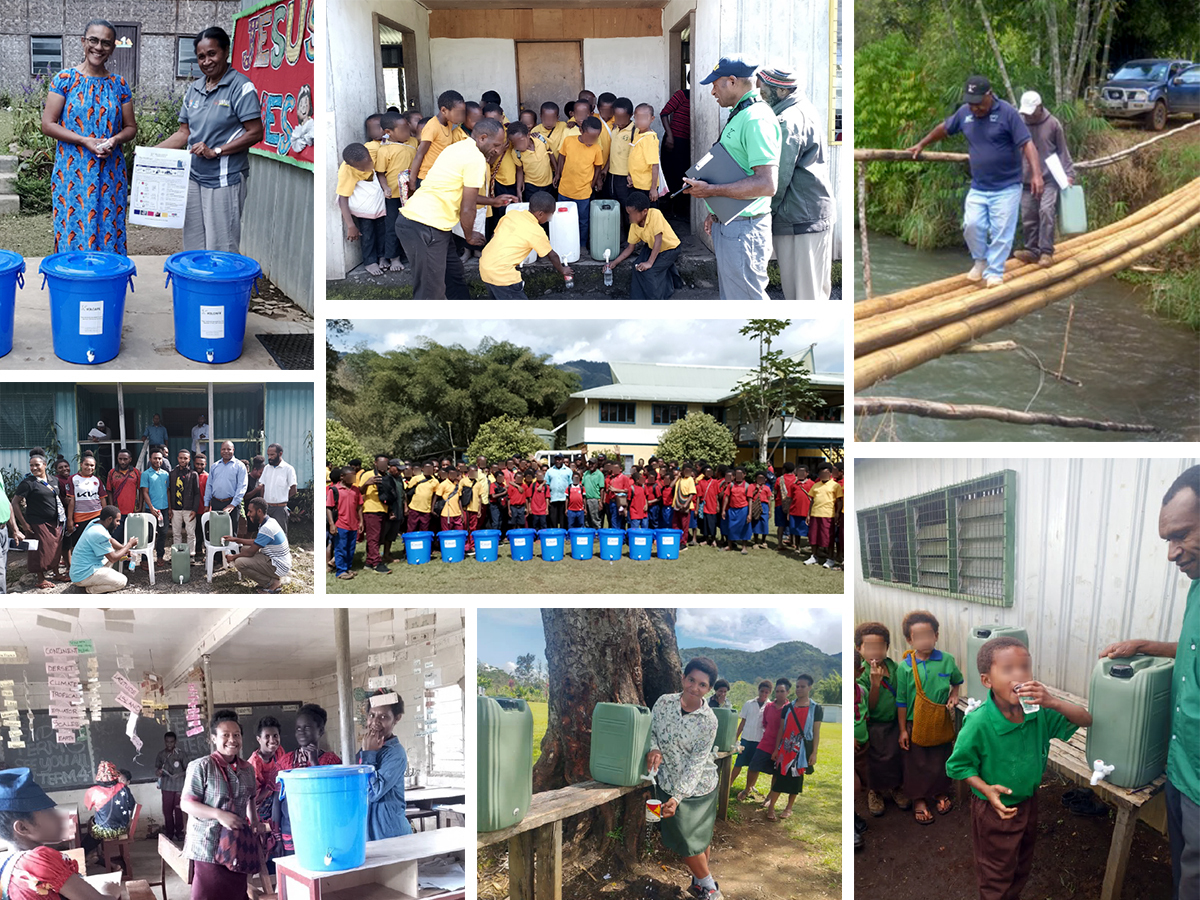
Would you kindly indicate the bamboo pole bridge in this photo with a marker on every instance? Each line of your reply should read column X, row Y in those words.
column 896, row 332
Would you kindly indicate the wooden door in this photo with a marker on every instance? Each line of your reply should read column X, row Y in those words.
column 124, row 61
column 548, row 71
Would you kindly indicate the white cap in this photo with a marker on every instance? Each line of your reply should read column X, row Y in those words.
column 1030, row 101
column 99, row 424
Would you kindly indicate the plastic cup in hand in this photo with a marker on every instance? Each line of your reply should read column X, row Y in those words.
column 653, row 810
column 1027, row 705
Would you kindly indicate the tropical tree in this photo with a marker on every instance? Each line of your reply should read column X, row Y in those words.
column 697, row 436
column 341, row 445
column 778, row 388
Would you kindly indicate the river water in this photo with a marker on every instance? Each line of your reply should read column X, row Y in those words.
column 1135, row 366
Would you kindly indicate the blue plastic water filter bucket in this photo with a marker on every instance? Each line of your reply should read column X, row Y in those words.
column 418, row 545
column 87, row 304
column 453, row 544
column 12, row 273
column 327, row 806
column 611, row 540
column 552, row 541
column 211, row 299
column 668, row 542
column 582, row 540
column 520, row 544
column 487, row 545
column 641, row 542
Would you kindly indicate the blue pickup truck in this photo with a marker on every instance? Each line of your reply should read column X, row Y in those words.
column 1152, row 90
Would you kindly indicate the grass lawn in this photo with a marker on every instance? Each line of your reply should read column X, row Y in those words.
column 541, row 720
column 699, row 570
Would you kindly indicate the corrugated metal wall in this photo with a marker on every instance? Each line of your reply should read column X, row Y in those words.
column 64, row 417
column 289, row 423
column 1090, row 567
column 277, row 226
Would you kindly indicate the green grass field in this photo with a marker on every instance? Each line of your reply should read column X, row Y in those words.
column 699, row 570
column 541, row 719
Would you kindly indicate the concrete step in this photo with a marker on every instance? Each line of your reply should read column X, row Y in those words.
column 10, row 204
column 8, row 182
column 8, row 164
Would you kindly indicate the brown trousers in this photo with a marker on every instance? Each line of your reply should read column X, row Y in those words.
column 1003, row 848
column 885, row 770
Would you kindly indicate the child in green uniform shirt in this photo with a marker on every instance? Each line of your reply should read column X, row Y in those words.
column 1001, row 752
column 884, row 765
column 860, row 743
column 933, row 673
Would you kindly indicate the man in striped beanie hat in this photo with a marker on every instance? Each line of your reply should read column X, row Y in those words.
column 803, row 209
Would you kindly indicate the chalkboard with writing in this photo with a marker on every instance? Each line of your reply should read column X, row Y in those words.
column 65, row 767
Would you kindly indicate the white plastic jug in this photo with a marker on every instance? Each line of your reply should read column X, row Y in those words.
column 532, row 257
column 564, row 231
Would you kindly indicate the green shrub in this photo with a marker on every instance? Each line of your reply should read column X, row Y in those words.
column 340, row 445
column 34, row 191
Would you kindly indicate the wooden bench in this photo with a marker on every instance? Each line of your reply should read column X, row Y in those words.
column 535, row 843
column 1069, row 759
column 138, row 890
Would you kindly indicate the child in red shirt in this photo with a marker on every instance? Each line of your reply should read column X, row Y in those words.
column 618, row 486
column 518, row 504
column 760, row 527
column 798, row 508
column 737, row 512
column 710, row 494
column 576, row 507
column 639, row 499
column 539, row 501
column 343, row 510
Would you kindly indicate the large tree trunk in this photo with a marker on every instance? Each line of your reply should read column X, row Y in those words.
column 601, row 656
column 1055, row 49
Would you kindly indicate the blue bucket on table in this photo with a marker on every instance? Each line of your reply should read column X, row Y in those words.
column 520, row 544
column 87, row 304
column 553, row 541
column 418, row 545
column 453, row 544
column 668, row 542
column 641, row 542
column 487, row 545
column 211, row 300
column 582, row 540
column 12, row 273
column 611, row 540
column 327, row 806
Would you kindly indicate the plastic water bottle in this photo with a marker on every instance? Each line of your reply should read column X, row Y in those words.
column 570, row 280
column 607, row 269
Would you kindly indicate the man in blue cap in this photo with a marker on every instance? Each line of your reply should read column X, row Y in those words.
column 997, row 139
column 752, row 137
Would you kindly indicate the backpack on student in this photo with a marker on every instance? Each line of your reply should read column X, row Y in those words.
column 439, row 503
column 409, row 493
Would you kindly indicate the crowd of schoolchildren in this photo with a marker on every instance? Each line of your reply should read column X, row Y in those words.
column 907, row 748
column 605, row 149
column 713, row 506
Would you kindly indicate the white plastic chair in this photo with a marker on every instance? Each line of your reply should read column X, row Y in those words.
column 211, row 550
column 146, row 550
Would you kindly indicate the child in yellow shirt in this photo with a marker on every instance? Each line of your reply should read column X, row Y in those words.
column 643, row 154
column 437, row 135
column 392, row 160
column 550, row 128
column 616, row 180
column 357, row 167
column 578, row 172
column 655, row 276
column 414, row 119
column 518, row 233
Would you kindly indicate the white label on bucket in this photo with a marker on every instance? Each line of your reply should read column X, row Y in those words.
column 212, row 322
column 91, row 317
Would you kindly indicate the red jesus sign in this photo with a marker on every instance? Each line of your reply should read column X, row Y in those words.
column 273, row 47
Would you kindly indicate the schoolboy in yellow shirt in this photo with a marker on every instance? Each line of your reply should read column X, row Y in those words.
column 356, row 167
column 643, row 154
column 393, row 160
column 518, row 232
column 438, row 134
column 550, row 128
column 413, row 118
column 616, row 180
column 578, row 172
column 604, row 107
column 655, row 276
column 537, row 163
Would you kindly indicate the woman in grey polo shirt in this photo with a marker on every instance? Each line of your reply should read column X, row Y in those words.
column 219, row 122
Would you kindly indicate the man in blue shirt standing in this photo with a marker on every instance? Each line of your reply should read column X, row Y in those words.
column 156, row 433
column 558, row 477
column 155, row 502
column 226, row 485
column 997, row 139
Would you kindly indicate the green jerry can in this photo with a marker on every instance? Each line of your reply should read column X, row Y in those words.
column 620, row 742
column 726, row 728
column 181, row 564
column 1130, row 703
column 504, row 746
column 604, row 229
column 219, row 525
column 976, row 639
column 1072, row 211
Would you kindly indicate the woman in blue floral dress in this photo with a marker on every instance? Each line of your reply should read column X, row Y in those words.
column 90, row 113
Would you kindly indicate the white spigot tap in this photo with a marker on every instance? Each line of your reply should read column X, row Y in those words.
column 91, row 356
column 1100, row 771
column 972, row 705
column 209, row 354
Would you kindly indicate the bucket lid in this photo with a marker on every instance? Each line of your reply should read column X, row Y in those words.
column 1121, row 670
column 84, row 266
column 212, row 265
column 416, row 535
column 10, row 261
column 314, row 772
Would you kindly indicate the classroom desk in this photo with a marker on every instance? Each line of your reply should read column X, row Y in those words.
column 389, row 873
column 425, row 798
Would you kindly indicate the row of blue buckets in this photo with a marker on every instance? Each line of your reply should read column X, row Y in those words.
column 87, row 302
column 643, row 542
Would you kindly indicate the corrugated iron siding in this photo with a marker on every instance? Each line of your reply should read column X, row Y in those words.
column 64, row 404
column 1090, row 567
column 277, row 226
column 289, row 422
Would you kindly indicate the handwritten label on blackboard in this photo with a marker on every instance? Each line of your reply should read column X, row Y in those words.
column 61, row 651
column 84, row 645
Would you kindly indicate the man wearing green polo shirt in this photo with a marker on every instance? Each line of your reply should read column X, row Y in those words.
column 593, row 487
column 1179, row 526
column 752, row 137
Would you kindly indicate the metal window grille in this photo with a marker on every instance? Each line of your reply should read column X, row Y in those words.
column 958, row 541
column 25, row 419
column 45, row 54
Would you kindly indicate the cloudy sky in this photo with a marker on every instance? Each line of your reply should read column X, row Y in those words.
column 713, row 342
column 505, row 634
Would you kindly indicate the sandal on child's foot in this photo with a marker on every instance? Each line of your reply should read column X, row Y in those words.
column 944, row 805
column 923, row 816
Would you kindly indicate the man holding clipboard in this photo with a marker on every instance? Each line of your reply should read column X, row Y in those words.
column 739, row 219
